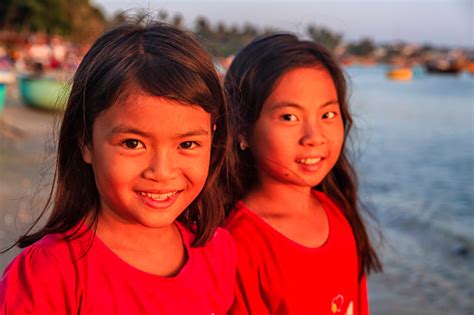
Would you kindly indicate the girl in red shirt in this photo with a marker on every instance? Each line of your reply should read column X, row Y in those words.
column 301, row 243
column 137, row 199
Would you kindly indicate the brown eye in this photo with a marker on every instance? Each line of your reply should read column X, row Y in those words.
column 132, row 144
column 288, row 117
column 329, row 115
column 187, row 145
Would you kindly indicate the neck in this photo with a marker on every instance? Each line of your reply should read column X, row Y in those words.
column 280, row 199
column 158, row 251
column 120, row 236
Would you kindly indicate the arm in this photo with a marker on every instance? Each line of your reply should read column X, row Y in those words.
column 34, row 284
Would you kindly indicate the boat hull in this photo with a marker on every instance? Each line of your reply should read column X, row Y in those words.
column 402, row 74
column 3, row 92
column 44, row 93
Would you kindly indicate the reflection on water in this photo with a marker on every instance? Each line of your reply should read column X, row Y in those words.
column 415, row 156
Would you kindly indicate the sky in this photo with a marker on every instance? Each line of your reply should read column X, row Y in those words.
column 436, row 22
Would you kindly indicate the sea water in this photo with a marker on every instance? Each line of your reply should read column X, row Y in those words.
column 413, row 146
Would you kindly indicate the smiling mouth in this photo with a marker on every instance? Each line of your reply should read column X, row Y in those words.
column 309, row 161
column 159, row 197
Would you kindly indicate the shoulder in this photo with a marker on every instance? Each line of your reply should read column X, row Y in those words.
column 330, row 205
column 215, row 265
column 37, row 276
column 341, row 229
column 221, row 244
column 217, row 259
column 44, row 254
column 242, row 224
column 221, row 237
column 324, row 198
column 56, row 253
column 253, row 237
column 50, row 254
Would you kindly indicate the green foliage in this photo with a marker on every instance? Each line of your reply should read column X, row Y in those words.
column 80, row 21
column 362, row 48
column 32, row 15
column 63, row 17
column 222, row 40
column 325, row 37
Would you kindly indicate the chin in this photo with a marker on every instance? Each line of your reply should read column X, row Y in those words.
column 309, row 182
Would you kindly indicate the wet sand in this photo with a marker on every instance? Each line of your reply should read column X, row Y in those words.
column 24, row 133
column 25, row 138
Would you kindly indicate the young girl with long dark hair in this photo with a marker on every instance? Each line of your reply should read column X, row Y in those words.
column 142, row 151
column 301, row 242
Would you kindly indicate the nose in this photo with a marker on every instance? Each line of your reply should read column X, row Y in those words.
column 313, row 134
column 161, row 166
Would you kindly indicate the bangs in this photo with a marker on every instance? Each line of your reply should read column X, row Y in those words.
column 164, row 78
column 175, row 81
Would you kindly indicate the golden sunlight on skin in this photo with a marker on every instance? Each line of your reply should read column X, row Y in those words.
column 299, row 134
column 296, row 141
column 150, row 157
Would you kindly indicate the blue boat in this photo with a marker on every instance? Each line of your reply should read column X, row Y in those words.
column 44, row 92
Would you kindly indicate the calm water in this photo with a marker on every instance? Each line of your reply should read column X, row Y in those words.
column 415, row 156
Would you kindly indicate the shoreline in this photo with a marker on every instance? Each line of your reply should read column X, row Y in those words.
column 24, row 135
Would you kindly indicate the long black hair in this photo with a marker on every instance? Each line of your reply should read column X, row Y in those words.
column 159, row 60
column 248, row 83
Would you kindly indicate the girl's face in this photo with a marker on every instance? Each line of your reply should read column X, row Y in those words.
column 150, row 157
column 299, row 134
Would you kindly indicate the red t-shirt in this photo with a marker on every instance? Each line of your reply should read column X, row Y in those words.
column 278, row 276
column 54, row 276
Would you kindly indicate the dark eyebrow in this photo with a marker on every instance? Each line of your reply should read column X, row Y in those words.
column 295, row 105
column 285, row 104
column 192, row 133
column 330, row 102
column 124, row 129
column 129, row 130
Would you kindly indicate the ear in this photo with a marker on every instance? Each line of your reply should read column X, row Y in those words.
column 214, row 127
column 243, row 142
column 86, row 153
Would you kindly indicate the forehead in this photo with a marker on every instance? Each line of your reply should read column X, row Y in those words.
column 153, row 113
column 306, row 85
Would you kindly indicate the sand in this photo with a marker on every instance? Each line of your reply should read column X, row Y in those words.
column 25, row 140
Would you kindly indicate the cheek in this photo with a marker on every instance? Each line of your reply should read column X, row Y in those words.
column 272, row 156
column 337, row 140
column 277, row 169
column 268, row 143
column 117, row 170
column 197, row 170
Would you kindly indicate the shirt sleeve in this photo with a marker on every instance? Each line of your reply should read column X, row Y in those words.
column 363, row 299
column 247, row 297
column 34, row 283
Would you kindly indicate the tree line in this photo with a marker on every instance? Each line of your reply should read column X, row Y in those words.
column 81, row 21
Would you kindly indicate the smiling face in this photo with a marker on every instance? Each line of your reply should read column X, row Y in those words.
column 150, row 157
column 299, row 134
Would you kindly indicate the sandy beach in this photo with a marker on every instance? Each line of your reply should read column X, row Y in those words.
column 25, row 159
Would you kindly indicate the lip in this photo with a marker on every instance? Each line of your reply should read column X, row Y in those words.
column 158, row 200
column 310, row 163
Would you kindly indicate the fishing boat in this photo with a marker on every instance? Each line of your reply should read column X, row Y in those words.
column 442, row 66
column 400, row 74
column 3, row 92
column 43, row 92
column 469, row 67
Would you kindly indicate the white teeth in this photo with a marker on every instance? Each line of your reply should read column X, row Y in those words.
column 158, row 197
column 309, row 161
